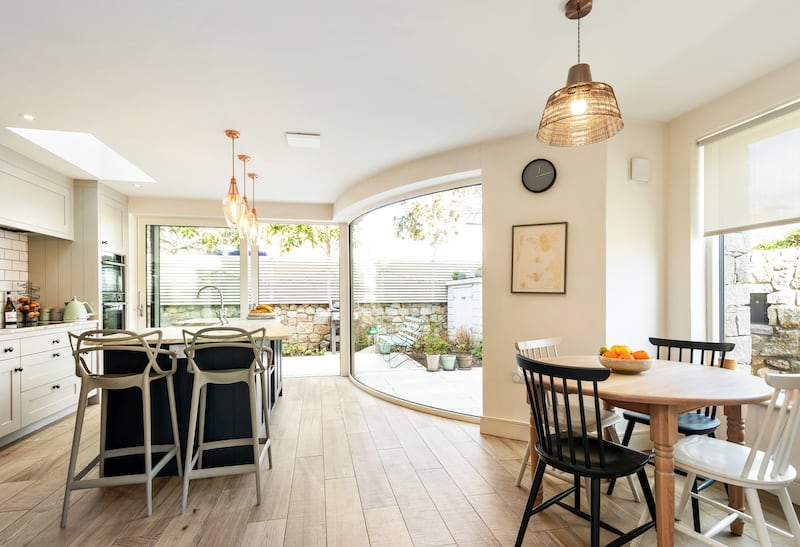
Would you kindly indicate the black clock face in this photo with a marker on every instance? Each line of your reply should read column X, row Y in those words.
column 539, row 175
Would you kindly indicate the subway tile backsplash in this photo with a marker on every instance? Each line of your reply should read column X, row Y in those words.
column 13, row 260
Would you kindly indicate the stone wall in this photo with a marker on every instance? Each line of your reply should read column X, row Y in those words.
column 311, row 323
column 776, row 275
column 388, row 317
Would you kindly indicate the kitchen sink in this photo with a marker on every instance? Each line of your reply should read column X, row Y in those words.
column 196, row 323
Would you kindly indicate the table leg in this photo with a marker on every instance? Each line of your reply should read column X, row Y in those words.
column 534, row 458
column 664, row 434
column 735, row 435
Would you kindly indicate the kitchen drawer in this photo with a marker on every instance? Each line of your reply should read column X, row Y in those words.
column 48, row 399
column 45, row 342
column 44, row 367
column 9, row 349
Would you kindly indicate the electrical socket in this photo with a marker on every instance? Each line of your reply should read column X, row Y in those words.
column 516, row 378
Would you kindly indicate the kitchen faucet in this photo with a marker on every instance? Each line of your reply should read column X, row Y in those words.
column 223, row 313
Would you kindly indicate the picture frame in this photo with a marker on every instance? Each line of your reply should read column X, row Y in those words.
column 539, row 258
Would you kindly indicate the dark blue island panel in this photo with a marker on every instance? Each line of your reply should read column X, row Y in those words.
column 227, row 412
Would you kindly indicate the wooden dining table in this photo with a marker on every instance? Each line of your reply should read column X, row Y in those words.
column 666, row 390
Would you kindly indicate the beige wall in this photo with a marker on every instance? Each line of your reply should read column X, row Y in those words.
column 634, row 237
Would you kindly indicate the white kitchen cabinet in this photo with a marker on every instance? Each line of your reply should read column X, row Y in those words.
column 37, row 378
column 9, row 386
column 35, row 199
column 113, row 218
column 48, row 382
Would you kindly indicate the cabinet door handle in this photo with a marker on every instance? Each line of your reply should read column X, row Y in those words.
column 8, row 350
column 56, row 340
column 104, row 242
column 56, row 386
column 56, row 355
column 18, row 369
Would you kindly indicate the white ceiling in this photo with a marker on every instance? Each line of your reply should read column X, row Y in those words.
column 383, row 82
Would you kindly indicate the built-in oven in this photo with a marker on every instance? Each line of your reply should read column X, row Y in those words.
column 113, row 315
column 112, row 286
column 112, row 273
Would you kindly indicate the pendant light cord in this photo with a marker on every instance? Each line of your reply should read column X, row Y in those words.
column 579, row 32
column 233, row 157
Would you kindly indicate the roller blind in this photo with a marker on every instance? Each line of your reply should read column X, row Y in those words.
column 751, row 175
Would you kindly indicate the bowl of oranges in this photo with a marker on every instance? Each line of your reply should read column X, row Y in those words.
column 621, row 359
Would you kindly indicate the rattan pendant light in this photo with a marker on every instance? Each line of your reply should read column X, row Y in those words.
column 582, row 112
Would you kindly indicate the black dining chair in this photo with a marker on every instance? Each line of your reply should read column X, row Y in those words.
column 562, row 399
column 702, row 421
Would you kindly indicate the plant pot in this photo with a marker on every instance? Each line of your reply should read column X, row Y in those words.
column 433, row 362
column 464, row 361
column 448, row 362
column 384, row 348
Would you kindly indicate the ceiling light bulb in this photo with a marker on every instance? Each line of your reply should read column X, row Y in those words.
column 578, row 106
column 29, row 117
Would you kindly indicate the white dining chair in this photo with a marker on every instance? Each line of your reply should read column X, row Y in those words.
column 541, row 349
column 764, row 466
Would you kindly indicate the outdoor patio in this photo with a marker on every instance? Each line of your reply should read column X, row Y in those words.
column 456, row 391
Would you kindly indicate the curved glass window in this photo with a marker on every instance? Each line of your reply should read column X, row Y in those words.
column 417, row 308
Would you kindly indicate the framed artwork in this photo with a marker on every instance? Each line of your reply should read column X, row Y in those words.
column 539, row 258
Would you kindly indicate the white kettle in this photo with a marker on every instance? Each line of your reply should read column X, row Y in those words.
column 75, row 310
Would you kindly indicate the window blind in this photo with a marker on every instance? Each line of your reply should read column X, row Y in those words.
column 751, row 175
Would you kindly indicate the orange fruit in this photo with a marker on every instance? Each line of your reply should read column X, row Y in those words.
column 641, row 354
column 611, row 354
column 626, row 355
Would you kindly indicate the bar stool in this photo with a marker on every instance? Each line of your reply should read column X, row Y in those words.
column 136, row 355
column 225, row 356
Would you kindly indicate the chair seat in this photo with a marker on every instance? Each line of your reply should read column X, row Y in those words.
column 620, row 460
column 726, row 461
column 689, row 423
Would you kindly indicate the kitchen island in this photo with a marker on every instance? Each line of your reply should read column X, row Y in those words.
column 228, row 413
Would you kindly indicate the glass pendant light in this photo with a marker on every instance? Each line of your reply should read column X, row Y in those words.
column 582, row 112
column 254, row 228
column 244, row 220
column 232, row 205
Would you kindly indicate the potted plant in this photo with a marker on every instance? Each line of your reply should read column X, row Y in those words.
column 433, row 345
column 455, row 275
column 463, row 347
column 477, row 355
column 448, row 359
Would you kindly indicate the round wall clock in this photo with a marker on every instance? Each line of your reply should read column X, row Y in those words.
column 539, row 175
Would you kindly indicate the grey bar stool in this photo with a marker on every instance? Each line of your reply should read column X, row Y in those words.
column 224, row 356
column 140, row 353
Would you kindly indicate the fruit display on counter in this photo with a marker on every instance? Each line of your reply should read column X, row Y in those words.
column 262, row 308
column 29, row 305
column 623, row 352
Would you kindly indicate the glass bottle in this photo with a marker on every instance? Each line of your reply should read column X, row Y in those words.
column 9, row 313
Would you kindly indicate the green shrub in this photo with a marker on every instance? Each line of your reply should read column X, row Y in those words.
column 792, row 239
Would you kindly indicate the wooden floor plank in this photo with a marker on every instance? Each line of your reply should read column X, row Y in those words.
column 305, row 524
column 344, row 517
column 386, row 527
column 373, row 485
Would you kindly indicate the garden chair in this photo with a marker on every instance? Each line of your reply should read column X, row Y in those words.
column 405, row 338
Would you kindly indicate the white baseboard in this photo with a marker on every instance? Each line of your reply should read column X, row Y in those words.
column 503, row 427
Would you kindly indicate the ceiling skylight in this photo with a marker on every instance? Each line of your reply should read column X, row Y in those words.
column 86, row 152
